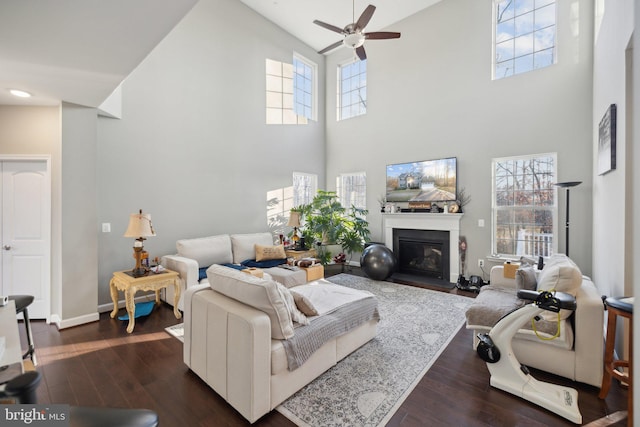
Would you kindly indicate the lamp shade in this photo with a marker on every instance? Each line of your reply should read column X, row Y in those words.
column 294, row 219
column 140, row 226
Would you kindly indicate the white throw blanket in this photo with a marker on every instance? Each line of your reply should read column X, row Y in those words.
column 327, row 297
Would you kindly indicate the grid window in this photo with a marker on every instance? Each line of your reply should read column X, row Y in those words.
column 525, row 36
column 305, row 186
column 352, row 89
column 352, row 190
column 279, row 94
column 524, row 206
column 304, row 87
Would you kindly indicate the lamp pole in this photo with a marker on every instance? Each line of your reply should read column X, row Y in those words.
column 567, row 186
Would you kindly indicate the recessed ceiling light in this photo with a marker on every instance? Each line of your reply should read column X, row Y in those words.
column 20, row 93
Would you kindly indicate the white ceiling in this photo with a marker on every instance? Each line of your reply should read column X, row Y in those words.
column 80, row 51
column 297, row 16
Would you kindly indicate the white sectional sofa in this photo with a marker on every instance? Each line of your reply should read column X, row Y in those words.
column 237, row 338
column 577, row 353
column 194, row 256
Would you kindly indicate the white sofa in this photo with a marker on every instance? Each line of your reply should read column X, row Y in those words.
column 200, row 253
column 231, row 346
column 577, row 354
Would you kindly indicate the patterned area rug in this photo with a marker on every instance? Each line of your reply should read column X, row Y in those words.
column 176, row 331
column 368, row 386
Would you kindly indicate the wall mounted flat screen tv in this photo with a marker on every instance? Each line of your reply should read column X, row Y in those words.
column 425, row 181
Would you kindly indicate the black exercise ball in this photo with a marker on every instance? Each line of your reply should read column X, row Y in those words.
column 378, row 262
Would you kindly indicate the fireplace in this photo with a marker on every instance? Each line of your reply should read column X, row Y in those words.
column 449, row 223
column 422, row 252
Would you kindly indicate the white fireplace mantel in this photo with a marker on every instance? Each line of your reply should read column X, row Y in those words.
column 428, row 221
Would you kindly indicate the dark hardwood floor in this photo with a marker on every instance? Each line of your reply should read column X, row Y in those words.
column 99, row 364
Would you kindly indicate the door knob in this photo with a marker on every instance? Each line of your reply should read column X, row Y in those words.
column 7, row 247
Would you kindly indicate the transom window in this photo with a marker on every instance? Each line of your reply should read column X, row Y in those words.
column 352, row 190
column 279, row 96
column 524, row 206
column 352, row 89
column 525, row 36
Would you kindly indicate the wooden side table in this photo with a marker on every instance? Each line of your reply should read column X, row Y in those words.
column 124, row 281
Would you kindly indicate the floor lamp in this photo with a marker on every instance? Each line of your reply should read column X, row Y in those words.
column 567, row 186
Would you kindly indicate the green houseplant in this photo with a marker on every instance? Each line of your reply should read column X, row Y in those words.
column 326, row 222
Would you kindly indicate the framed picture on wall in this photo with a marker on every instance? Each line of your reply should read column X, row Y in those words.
column 607, row 141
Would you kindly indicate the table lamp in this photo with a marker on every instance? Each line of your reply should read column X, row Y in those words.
column 139, row 227
column 294, row 221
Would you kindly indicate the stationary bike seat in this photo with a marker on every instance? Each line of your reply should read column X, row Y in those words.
column 551, row 301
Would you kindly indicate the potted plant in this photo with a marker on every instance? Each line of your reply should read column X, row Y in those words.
column 327, row 222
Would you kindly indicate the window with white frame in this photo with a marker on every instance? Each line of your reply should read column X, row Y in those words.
column 279, row 94
column 352, row 189
column 352, row 89
column 524, row 206
column 305, row 186
column 304, row 87
column 524, row 36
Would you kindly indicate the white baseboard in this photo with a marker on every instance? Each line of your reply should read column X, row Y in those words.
column 103, row 308
column 74, row 321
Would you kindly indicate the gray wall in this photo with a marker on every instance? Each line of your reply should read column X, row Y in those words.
column 192, row 147
column 430, row 95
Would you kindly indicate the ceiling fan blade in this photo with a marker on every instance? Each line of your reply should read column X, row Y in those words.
column 381, row 35
column 329, row 27
column 330, row 47
column 361, row 53
column 365, row 17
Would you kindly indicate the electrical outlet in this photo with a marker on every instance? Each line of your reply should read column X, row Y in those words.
column 481, row 263
column 106, row 227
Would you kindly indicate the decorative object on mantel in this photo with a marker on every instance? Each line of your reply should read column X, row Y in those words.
column 462, row 199
column 139, row 227
column 382, row 200
column 567, row 185
column 607, row 141
column 435, row 208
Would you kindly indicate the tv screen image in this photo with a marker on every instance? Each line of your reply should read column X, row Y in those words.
column 425, row 181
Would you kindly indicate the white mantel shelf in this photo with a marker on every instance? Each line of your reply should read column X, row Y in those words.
column 428, row 221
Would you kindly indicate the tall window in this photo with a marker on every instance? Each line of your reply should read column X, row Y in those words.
column 524, row 205
column 305, row 186
column 524, row 37
column 279, row 76
column 304, row 87
column 352, row 189
column 352, row 89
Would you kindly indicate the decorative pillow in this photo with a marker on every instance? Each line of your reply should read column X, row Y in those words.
column 262, row 294
column 266, row 253
column 562, row 275
column 303, row 304
column 264, row 264
column 296, row 315
column 526, row 278
column 206, row 250
column 243, row 245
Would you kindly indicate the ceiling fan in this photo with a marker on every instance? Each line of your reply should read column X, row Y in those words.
column 354, row 35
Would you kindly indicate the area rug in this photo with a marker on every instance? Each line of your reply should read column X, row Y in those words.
column 176, row 331
column 368, row 386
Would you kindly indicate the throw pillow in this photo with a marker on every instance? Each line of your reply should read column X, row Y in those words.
column 303, row 304
column 526, row 278
column 262, row 294
column 266, row 253
column 243, row 245
column 296, row 315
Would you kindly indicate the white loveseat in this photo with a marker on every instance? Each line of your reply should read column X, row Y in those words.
column 578, row 353
column 233, row 341
column 194, row 256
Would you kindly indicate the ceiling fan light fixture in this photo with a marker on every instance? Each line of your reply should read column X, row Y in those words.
column 354, row 40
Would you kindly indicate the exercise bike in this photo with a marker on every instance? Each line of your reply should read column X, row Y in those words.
column 509, row 375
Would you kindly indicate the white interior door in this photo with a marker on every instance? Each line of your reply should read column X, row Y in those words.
column 26, row 233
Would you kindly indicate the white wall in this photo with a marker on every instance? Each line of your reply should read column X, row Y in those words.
column 192, row 147
column 612, row 191
column 430, row 95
